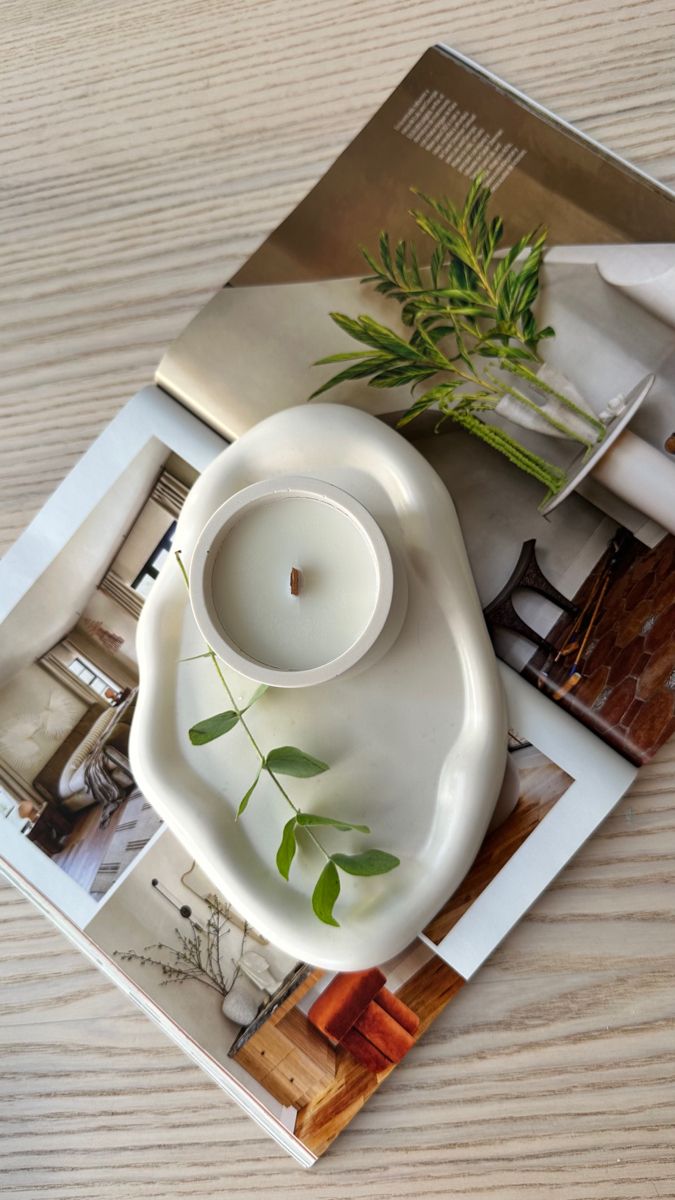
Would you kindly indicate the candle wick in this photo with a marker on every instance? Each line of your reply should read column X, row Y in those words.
column 295, row 581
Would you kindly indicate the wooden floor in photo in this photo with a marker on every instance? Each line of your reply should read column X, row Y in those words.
column 145, row 151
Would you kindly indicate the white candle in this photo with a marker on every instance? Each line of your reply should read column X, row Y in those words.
column 241, row 581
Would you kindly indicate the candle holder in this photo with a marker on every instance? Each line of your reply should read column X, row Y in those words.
column 291, row 582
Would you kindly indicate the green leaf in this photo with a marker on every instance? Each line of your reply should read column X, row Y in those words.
column 257, row 695
column 414, row 267
column 247, row 797
column 459, row 275
column 286, row 851
column 436, row 395
column 353, row 328
column 369, row 862
column 529, row 326
column 385, row 253
column 436, row 264
column 288, row 760
column 387, row 288
column 418, row 407
column 358, row 370
column 428, row 317
column 402, row 375
column 474, row 197
column 449, row 238
column 344, row 355
column 384, row 338
column 463, row 294
column 213, row 727
column 326, row 893
column 504, row 265
column 400, row 258
column 372, row 262
column 314, row 819
column 494, row 236
column 433, row 354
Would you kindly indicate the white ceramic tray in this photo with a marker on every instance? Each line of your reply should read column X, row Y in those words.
column 416, row 742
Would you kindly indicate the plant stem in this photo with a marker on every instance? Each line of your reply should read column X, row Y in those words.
column 541, row 412
column 244, row 724
column 533, row 378
column 477, row 266
column 256, row 747
column 496, row 387
column 545, row 472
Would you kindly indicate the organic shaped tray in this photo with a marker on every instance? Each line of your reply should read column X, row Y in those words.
column 416, row 742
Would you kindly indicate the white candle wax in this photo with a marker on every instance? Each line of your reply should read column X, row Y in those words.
column 243, row 596
column 251, row 590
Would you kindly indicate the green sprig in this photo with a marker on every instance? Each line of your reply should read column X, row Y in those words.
column 290, row 761
column 469, row 307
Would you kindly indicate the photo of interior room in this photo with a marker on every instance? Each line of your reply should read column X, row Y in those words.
column 66, row 711
column 609, row 658
column 247, row 1003
column 579, row 603
column 190, row 953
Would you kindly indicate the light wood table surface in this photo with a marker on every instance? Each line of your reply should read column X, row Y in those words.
column 145, row 149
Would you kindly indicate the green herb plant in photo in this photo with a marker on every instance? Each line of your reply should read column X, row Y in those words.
column 473, row 332
column 289, row 761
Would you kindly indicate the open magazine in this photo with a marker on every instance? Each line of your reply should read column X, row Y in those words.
column 580, row 600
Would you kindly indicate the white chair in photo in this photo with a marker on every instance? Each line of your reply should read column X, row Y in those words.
column 98, row 771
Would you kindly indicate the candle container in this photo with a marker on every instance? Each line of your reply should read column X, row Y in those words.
column 291, row 582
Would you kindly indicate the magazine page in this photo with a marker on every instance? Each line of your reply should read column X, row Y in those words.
column 301, row 1049
column 554, row 412
column 264, row 1026
column 313, row 1045
column 447, row 121
column 77, row 834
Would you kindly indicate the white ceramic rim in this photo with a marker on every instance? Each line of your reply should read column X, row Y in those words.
column 213, row 533
column 586, row 465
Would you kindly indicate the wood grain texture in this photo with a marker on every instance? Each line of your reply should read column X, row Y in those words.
column 144, row 151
